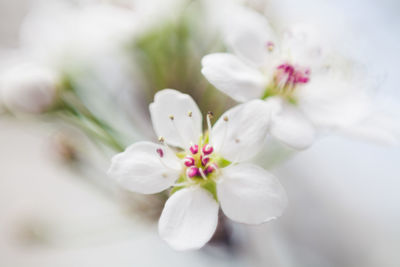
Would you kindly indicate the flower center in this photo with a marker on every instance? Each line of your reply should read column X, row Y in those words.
column 286, row 78
column 200, row 163
column 287, row 75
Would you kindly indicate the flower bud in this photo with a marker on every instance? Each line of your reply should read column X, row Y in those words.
column 28, row 88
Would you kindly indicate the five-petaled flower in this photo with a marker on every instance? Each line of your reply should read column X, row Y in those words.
column 305, row 85
column 203, row 169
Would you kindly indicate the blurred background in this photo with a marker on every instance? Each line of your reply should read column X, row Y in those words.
column 344, row 194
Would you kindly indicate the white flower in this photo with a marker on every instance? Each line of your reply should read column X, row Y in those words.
column 204, row 169
column 28, row 88
column 304, row 85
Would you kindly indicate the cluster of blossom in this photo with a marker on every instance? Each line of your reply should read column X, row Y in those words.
column 288, row 88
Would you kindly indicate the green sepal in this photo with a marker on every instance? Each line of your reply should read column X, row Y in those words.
column 211, row 187
column 268, row 93
column 222, row 162
column 181, row 154
column 292, row 100
column 181, row 179
column 175, row 189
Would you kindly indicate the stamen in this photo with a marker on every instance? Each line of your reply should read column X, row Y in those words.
column 204, row 160
column 160, row 152
column 270, row 46
column 211, row 168
column 188, row 161
column 215, row 167
column 210, row 115
column 207, row 149
column 226, row 119
column 282, row 80
column 194, row 149
column 192, row 171
column 192, row 123
column 288, row 76
column 202, row 174
column 172, row 118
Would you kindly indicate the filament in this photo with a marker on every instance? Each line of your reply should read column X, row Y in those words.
column 209, row 116
column 224, row 133
column 202, row 174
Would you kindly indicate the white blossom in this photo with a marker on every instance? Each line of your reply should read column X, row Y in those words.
column 304, row 84
column 204, row 169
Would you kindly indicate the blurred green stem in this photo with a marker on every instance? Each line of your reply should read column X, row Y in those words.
column 97, row 128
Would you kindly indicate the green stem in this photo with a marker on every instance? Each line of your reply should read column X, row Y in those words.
column 102, row 131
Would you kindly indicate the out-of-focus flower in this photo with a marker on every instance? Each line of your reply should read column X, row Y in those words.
column 304, row 84
column 28, row 88
column 86, row 45
column 203, row 169
column 62, row 32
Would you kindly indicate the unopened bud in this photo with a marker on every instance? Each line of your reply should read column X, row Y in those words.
column 28, row 88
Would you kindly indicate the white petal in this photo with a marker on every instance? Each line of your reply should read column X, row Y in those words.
column 248, row 33
column 377, row 127
column 189, row 219
column 289, row 125
column 140, row 168
column 242, row 135
column 183, row 129
column 250, row 194
column 232, row 76
column 334, row 100
column 304, row 46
